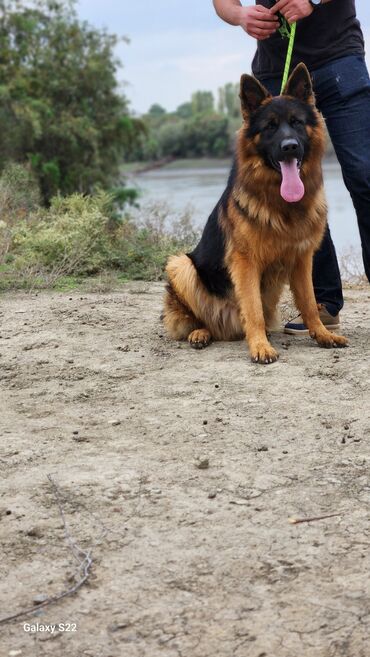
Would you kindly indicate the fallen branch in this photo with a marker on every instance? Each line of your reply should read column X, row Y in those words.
column 84, row 560
column 297, row 521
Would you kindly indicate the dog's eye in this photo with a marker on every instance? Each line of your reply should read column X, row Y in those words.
column 295, row 122
column 271, row 125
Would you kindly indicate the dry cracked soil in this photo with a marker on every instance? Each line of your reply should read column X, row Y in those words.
column 176, row 472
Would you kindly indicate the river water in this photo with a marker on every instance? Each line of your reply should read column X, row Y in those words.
column 202, row 187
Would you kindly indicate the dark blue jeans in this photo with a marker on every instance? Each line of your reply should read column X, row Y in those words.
column 342, row 90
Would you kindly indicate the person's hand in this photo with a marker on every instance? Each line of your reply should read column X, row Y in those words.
column 259, row 22
column 293, row 10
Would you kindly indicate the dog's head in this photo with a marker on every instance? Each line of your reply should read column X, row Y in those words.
column 281, row 127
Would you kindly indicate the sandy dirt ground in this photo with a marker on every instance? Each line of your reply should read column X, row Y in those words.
column 179, row 471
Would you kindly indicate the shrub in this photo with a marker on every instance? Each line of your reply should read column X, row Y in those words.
column 82, row 235
column 146, row 240
column 19, row 195
column 71, row 235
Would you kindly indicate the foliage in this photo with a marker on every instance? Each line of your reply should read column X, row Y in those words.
column 61, row 109
column 150, row 238
column 202, row 102
column 184, row 111
column 19, row 195
column 156, row 110
column 73, row 232
column 195, row 129
column 81, row 235
column 351, row 267
column 19, row 192
column 228, row 100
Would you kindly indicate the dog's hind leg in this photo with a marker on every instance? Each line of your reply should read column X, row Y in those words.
column 181, row 312
column 182, row 324
column 192, row 313
column 179, row 320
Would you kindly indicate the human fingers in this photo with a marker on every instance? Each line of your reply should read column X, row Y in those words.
column 291, row 18
column 264, row 20
column 265, row 14
column 259, row 31
column 262, row 27
column 282, row 6
column 258, row 24
column 257, row 34
column 293, row 9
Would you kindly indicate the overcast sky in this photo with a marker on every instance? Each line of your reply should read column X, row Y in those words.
column 178, row 46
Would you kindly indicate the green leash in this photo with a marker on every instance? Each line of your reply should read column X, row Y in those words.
column 288, row 56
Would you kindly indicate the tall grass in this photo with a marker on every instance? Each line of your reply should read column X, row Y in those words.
column 82, row 235
column 351, row 267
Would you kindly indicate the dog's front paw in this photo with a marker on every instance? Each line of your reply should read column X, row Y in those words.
column 263, row 353
column 329, row 340
column 199, row 339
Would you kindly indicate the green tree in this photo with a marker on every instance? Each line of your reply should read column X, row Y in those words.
column 61, row 109
column 171, row 139
column 206, row 135
column 156, row 110
column 202, row 102
column 184, row 111
column 228, row 100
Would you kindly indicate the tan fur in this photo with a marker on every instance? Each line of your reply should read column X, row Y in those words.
column 220, row 316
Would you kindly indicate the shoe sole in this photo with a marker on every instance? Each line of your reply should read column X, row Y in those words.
column 305, row 331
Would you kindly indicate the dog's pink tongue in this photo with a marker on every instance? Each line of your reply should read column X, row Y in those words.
column 292, row 188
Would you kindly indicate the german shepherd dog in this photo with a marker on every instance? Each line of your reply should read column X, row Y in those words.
column 263, row 231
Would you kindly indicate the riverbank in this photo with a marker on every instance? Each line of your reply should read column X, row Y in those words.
column 172, row 163
column 180, row 470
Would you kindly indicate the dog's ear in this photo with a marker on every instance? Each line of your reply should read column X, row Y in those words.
column 252, row 94
column 299, row 85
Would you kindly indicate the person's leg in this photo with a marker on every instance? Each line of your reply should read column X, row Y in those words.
column 326, row 275
column 327, row 283
column 343, row 95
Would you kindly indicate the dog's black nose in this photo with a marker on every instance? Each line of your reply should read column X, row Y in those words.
column 289, row 146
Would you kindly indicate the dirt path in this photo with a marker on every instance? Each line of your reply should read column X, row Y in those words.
column 193, row 561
